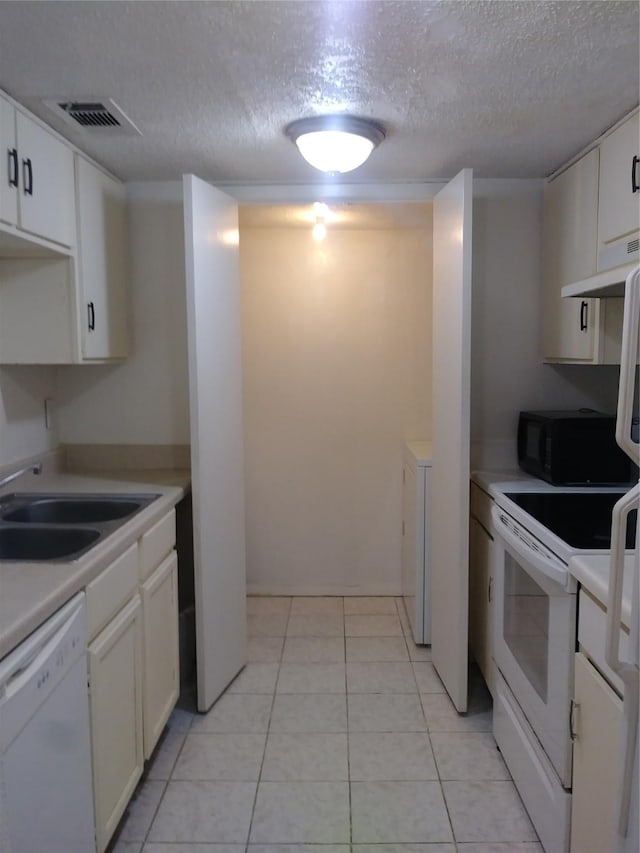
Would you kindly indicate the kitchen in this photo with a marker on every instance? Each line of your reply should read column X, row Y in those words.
column 100, row 404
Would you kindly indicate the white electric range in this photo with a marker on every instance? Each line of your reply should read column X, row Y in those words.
column 538, row 528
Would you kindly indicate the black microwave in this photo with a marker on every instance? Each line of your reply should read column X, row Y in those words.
column 573, row 448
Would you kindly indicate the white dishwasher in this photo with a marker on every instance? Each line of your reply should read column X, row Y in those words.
column 46, row 800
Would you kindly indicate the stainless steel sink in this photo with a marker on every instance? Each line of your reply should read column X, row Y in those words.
column 61, row 527
column 45, row 543
column 63, row 510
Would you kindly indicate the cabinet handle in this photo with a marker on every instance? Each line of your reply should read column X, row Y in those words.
column 27, row 176
column 12, row 167
column 584, row 315
column 635, row 186
column 573, row 719
column 490, row 589
column 91, row 316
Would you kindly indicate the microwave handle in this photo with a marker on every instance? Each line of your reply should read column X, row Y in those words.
column 628, row 361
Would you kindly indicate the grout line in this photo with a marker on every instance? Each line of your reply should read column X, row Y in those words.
column 266, row 737
column 346, row 701
column 444, row 799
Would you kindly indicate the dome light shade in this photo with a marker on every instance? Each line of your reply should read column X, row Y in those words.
column 335, row 144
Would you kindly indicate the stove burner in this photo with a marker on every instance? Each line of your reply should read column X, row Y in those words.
column 582, row 520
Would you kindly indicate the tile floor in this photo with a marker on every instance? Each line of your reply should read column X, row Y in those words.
column 337, row 737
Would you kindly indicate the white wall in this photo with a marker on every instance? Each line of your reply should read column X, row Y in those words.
column 23, row 391
column 336, row 349
column 507, row 371
column 145, row 399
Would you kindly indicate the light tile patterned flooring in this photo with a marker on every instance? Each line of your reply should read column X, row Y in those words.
column 337, row 736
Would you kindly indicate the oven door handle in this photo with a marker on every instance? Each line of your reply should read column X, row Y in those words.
column 543, row 561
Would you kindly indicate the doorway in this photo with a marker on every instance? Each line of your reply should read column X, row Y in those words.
column 336, row 377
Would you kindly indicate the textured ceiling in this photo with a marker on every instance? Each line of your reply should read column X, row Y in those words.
column 512, row 89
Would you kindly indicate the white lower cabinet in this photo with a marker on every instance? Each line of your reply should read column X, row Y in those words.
column 133, row 661
column 480, row 584
column 161, row 647
column 115, row 685
column 597, row 726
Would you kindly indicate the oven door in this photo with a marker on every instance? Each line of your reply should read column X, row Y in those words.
column 534, row 636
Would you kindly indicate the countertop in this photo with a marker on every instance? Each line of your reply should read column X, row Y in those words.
column 592, row 571
column 31, row 592
column 498, row 482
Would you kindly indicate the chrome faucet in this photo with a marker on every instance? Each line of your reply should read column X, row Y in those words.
column 36, row 468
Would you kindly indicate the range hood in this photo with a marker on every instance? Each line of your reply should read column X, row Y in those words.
column 607, row 283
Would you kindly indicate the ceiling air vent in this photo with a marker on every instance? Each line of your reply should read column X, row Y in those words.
column 93, row 115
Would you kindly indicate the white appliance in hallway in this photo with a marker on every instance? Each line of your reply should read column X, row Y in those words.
column 416, row 507
column 45, row 752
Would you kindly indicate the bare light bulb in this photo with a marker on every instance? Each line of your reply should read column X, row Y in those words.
column 319, row 231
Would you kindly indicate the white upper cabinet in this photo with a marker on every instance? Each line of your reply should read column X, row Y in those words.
column 102, row 274
column 591, row 221
column 9, row 175
column 46, row 202
column 63, row 254
column 619, row 198
column 570, row 326
column 37, row 183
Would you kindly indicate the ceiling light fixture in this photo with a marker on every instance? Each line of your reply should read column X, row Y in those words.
column 335, row 143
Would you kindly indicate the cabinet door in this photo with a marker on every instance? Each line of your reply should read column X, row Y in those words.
column 161, row 649
column 47, row 198
column 598, row 717
column 480, row 601
column 9, row 171
column 619, row 202
column 115, row 686
column 101, row 263
column 569, row 326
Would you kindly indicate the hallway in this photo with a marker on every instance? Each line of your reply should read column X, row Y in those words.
column 338, row 734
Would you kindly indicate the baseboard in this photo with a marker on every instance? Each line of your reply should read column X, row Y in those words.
column 320, row 590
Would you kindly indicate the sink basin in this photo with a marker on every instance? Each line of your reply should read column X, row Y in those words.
column 37, row 526
column 71, row 511
column 45, row 543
